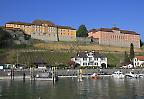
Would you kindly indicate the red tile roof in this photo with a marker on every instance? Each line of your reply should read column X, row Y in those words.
column 114, row 28
column 140, row 57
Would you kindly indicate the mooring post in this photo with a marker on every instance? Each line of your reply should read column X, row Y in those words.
column 24, row 76
column 53, row 75
column 79, row 75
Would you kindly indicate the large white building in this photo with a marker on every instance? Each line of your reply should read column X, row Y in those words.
column 90, row 59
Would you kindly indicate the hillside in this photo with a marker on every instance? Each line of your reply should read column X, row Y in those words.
column 82, row 47
column 55, row 53
column 50, row 57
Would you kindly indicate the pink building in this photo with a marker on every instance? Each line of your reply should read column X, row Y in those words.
column 115, row 37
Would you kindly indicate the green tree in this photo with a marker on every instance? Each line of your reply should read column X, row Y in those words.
column 132, row 53
column 82, row 31
column 126, row 57
column 141, row 43
column 5, row 38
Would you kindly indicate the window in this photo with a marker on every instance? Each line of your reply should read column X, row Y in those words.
column 91, row 63
column 84, row 64
column 84, row 59
column 135, row 59
column 96, row 64
column 103, row 59
column 90, row 58
column 96, row 59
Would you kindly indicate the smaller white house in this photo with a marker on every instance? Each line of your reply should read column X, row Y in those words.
column 138, row 61
column 90, row 59
column 126, row 65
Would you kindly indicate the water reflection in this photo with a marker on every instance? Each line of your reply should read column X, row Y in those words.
column 67, row 88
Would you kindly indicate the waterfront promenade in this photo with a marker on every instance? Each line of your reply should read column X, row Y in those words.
column 19, row 74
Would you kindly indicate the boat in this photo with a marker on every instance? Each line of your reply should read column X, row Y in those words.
column 95, row 76
column 46, row 77
column 141, row 75
column 118, row 74
column 132, row 75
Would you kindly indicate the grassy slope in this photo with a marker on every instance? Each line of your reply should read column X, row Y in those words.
column 81, row 47
column 57, row 53
column 49, row 57
column 54, row 57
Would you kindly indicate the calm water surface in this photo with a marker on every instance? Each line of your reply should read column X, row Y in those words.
column 68, row 88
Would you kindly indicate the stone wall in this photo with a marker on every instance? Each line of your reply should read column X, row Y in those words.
column 87, row 40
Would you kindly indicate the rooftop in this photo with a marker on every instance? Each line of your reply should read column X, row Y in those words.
column 112, row 30
column 40, row 23
column 19, row 23
column 85, row 55
column 66, row 27
column 140, row 58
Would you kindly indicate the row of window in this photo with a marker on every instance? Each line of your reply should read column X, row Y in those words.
column 86, row 64
column 66, row 33
column 136, row 64
column 119, row 37
column 90, row 59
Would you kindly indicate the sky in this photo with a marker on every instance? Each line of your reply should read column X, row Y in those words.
column 125, row 14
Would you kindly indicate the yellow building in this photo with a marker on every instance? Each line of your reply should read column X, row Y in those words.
column 26, row 27
column 44, row 30
column 66, row 33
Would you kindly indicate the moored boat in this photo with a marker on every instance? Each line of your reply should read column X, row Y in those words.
column 95, row 76
column 118, row 74
column 46, row 77
column 132, row 75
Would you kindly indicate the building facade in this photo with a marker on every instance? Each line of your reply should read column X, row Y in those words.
column 115, row 37
column 90, row 59
column 45, row 31
column 138, row 61
column 66, row 33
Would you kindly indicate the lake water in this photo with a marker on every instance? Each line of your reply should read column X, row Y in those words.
column 68, row 88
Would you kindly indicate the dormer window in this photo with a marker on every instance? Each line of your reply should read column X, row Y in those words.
column 135, row 59
column 90, row 54
column 103, row 59
column 77, row 54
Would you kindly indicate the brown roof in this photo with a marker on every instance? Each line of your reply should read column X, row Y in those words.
column 40, row 22
column 19, row 23
column 65, row 27
column 114, row 28
column 129, row 32
column 84, row 55
column 101, row 29
column 140, row 57
column 94, row 30
column 105, row 29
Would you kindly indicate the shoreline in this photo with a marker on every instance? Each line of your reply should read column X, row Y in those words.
column 64, row 73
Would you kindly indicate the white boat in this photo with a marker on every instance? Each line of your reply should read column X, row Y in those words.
column 46, row 77
column 118, row 74
column 141, row 75
column 132, row 75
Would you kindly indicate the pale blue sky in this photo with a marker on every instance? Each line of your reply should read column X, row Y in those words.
column 125, row 14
